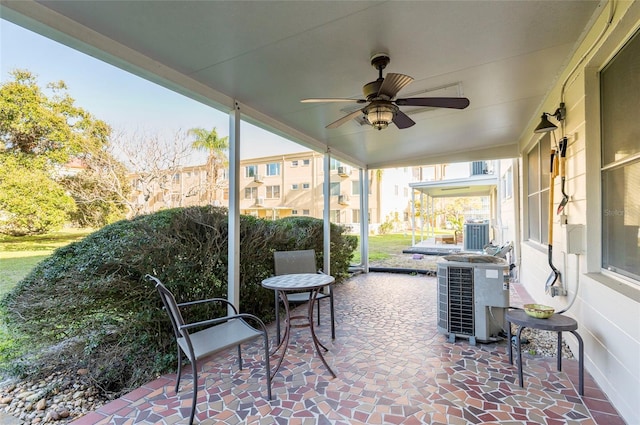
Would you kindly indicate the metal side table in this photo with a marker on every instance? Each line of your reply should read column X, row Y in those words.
column 556, row 323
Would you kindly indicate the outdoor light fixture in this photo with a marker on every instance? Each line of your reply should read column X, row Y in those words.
column 546, row 125
column 380, row 114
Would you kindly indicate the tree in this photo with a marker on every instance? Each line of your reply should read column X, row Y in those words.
column 51, row 126
column 30, row 201
column 39, row 134
column 217, row 159
column 155, row 161
column 101, row 190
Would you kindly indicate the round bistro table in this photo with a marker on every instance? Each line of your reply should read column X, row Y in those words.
column 556, row 323
column 312, row 282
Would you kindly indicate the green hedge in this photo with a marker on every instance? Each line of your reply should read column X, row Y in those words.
column 89, row 305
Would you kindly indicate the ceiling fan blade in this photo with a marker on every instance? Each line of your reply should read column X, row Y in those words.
column 344, row 119
column 436, row 102
column 332, row 99
column 393, row 83
column 402, row 120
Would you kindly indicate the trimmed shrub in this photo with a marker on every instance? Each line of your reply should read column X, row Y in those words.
column 89, row 305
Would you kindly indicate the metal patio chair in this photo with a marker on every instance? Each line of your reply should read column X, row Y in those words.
column 300, row 261
column 201, row 339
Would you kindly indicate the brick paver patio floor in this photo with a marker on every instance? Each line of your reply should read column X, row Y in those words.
column 392, row 367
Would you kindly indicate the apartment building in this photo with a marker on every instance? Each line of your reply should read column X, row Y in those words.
column 280, row 186
column 270, row 187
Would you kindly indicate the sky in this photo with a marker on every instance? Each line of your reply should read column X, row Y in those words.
column 126, row 102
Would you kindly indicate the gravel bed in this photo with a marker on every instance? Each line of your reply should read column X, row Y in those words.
column 58, row 398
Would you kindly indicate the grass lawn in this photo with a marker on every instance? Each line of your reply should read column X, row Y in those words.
column 383, row 246
column 18, row 255
column 386, row 250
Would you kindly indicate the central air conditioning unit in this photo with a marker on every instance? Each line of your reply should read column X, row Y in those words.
column 473, row 295
column 476, row 235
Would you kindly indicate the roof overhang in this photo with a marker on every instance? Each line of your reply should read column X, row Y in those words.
column 264, row 57
column 481, row 185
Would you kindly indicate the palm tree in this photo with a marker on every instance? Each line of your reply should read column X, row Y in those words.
column 216, row 148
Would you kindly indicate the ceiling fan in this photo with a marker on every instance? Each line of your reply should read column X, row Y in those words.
column 382, row 109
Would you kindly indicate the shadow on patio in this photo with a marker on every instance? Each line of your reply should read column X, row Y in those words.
column 393, row 367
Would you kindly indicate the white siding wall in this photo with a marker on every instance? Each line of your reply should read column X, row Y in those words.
column 607, row 309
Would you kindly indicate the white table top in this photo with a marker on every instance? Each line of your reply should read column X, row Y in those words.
column 295, row 282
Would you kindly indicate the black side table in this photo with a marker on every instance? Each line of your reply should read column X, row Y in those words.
column 556, row 323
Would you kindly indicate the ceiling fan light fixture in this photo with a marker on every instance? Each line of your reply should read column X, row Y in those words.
column 380, row 115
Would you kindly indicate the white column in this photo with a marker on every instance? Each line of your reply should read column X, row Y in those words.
column 413, row 217
column 326, row 189
column 233, row 261
column 364, row 219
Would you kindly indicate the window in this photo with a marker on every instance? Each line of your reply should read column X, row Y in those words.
column 396, row 190
column 355, row 188
column 355, row 216
column 405, row 191
column 295, row 186
column 538, row 160
column 250, row 192
column 273, row 191
column 507, row 184
column 176, row 178
column 306, row 185
column 273, row 169
column 294, row 212
column 251, row 171
column 620, row 172
column 334, row 216
column 294, row 163
column 334, row 164
column 334, row 189
column 306, row 162
column 305, row 212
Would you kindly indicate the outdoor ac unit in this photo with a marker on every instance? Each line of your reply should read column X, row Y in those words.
column 476, row 235
column 260, row 201
column 472, row 297
column 344, row 171
column 343, row 199
column 258, row 179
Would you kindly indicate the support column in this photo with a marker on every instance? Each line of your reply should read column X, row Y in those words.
column 326, row 189
column 233, row 260
column 413, row 217
column 364, row 220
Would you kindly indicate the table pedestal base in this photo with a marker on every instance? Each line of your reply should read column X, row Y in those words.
column 307, row 322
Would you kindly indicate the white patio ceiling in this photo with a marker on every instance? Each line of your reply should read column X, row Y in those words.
column 503, row 55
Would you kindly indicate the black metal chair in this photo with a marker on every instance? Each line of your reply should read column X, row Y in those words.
column 300, row 261
column 200, row 339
